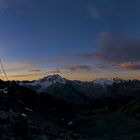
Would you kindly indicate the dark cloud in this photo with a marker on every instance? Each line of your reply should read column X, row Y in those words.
column 113, row 50
column 131, row 66
column 79, row 67
column 35, row 70
column 71, row 68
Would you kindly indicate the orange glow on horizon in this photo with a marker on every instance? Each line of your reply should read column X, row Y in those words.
column 74, row 77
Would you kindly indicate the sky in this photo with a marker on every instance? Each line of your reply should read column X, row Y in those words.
column 77, row 39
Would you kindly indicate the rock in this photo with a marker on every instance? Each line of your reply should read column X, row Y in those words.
column 3, row 115
column 43, row 137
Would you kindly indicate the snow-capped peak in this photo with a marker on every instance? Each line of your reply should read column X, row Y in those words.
column 53, row 79
column 104, row 81
column 42, row 84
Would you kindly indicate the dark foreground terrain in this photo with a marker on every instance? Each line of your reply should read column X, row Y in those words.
column 69, row 110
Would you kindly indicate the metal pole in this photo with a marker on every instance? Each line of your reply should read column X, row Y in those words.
column 2, row 66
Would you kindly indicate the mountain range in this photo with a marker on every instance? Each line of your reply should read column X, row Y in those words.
column 83, row 93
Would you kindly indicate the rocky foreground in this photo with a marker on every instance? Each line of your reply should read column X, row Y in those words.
column 25, row 114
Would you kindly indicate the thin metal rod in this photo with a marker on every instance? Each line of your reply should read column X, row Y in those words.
column 1, row 75
column 2, row 66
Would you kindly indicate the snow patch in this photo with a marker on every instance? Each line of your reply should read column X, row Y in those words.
column 104, row 82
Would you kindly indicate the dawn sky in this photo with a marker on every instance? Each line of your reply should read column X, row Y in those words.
column 78, row 39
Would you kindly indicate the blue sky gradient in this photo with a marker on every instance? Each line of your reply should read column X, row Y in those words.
column 41, row 37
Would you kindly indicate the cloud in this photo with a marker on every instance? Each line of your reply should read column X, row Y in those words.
column 26, row 76
column 70, row 69
column 94, row 12
column 17, row 66
column 79, row 67
column 131, row 66
column 35, row 70
column 13, row 67
column 113, row 51
column 23, row 75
